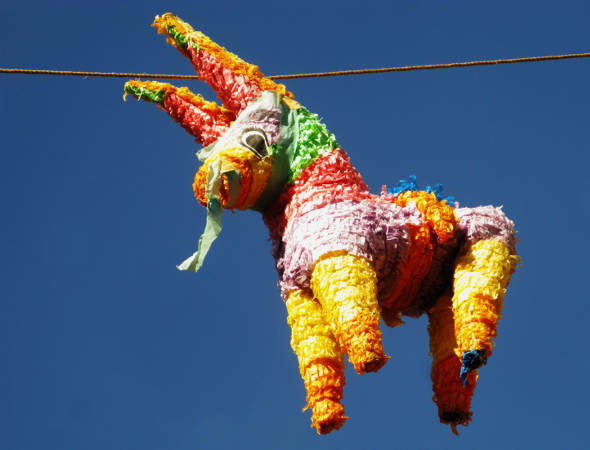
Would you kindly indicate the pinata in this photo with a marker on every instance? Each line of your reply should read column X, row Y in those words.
column 346, row 258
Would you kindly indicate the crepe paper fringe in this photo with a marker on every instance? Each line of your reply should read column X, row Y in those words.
column 438, row 214
column 254, row 173
column 329, row 179
column 481, row 275
column 405, row 185
column 324, row 381
column 439, row 217
column 486, row 222
column 206, row 121
column 320, row 361
column 415, row 269
column 149, row 91
column 346, row 287
column 235, row 91
column 313, row 140
column 441, row 329
column 332, row 198
column 267, row 118
column 311, row 336
column 261, row 172
column 452, row 397
column 200, row 183
column 368, row 229
column 221, row 69
column 206, row 128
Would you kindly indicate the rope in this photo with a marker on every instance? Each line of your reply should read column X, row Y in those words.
column 302, row 75
column 432, row 66
column 99, row 74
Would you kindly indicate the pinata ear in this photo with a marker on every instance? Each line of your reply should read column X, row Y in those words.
column 236, row 82
column 206, row 121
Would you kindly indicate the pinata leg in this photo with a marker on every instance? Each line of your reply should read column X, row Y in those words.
column 452, row 397
column 320, row 361
column 482, row 272
column 346, row 287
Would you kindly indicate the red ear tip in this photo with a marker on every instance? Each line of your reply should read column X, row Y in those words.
column 235, row 81
column 205, row 120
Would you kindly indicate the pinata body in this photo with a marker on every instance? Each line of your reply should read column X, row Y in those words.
column 346, row 258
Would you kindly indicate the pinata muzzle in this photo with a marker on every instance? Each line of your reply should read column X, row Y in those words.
column 237, row 174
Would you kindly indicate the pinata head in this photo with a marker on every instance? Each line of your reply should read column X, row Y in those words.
column 245, row 157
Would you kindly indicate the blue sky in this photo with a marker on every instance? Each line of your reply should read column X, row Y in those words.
column 105, row 344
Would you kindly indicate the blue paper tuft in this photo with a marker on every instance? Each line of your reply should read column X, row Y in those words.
column 405, row 185
column 471, row 360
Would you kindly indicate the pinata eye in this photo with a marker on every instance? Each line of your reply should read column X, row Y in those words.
column 255, row 140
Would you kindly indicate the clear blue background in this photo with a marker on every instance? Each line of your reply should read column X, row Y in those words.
column 104, row 344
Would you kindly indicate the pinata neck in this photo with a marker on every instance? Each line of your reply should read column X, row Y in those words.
column 330, row 178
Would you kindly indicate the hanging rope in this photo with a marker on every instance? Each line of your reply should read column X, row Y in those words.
column 301, row 75
column 432, row 66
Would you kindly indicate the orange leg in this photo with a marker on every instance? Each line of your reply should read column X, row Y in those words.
column 463, row 325
column 450, row 395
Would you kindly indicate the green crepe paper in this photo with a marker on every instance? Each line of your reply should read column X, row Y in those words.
column 146, row 94
column 180, row 38
column 213, row 226
column 313, row 140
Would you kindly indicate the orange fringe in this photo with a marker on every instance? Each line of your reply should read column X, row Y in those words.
column 324, row 381
column 415, row 269
column 200, row 183
column 452, row 398
column 438, row 214
column 254, row 174
column 440, row 218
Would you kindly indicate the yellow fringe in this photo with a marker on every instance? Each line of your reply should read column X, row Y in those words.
column 320, row 361
column 311, row 336
column 227, row 59
column 481, row 276
column 346, row 287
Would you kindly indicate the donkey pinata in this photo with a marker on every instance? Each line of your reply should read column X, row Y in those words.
column 345, row 257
